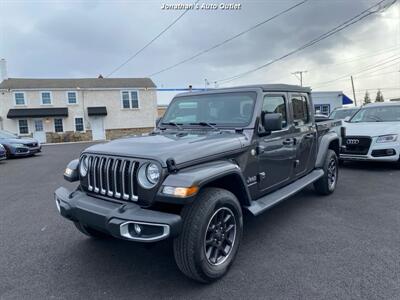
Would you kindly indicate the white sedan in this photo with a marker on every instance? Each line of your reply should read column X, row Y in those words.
column 373, row 133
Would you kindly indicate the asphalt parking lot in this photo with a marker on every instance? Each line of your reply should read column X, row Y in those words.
column 345, row 246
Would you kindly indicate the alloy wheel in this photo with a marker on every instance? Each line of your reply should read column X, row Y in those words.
column 220, row 236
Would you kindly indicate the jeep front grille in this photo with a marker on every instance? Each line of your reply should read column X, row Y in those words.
column 112, row 177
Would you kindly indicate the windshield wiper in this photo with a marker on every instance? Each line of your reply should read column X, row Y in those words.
column 212, row 125
column 177, row 125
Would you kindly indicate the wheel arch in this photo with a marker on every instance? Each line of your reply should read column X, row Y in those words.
column 221, row 174
column 329, row 141
column 232, row 182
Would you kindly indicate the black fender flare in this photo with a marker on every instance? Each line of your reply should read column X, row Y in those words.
column 212, row 172
column 327, row 141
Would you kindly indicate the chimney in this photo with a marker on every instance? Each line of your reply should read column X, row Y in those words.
column 3, row 70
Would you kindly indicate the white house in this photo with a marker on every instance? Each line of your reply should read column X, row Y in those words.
column 55, row 110
column 326, row 102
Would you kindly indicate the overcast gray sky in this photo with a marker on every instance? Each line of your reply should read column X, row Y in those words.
column 46, row 39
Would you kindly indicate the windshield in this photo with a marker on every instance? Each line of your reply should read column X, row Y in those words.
column 7, row 135
column 377, row 114
column 229, row 109
column 341, row 114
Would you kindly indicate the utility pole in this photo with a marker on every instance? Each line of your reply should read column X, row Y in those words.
column 206, row 83
column 299, row 75
column 354, row 92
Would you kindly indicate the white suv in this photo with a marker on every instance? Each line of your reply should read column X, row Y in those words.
column 373, row 133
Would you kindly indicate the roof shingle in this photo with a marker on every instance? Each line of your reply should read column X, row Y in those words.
column 84, row 83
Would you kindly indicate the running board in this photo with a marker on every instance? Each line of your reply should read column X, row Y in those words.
column 262, row 204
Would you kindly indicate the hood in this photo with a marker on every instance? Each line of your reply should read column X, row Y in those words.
column 372, row 128
column 23, row 141
column 182, row 146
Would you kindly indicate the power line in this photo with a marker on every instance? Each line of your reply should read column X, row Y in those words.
column 327, row 34
column 352, row 59
column 368, row 68
column 367, row 76
column 149, row 43
column 227, row 40
column 361, row 57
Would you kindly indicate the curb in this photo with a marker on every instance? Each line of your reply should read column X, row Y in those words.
column 68, row 143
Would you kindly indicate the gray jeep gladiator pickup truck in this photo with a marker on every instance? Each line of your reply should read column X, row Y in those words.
column 213, row 155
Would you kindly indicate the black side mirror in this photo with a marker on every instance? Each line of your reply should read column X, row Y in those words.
column 272, row 122
column 158, row 120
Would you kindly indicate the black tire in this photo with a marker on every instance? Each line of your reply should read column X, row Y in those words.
column 397, row 164
column 89, row 231
column 194, row 255
column 8, row 154
column 326, row 184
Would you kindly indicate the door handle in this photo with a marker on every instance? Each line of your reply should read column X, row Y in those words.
column 288, row 142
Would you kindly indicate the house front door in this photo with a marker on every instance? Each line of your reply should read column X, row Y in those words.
column 97, row 125
column 38, row 131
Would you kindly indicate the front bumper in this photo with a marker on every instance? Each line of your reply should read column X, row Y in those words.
column 3, row 156
column 117, row 219
column 375, row 153
column 25, row 151
column 34, row 150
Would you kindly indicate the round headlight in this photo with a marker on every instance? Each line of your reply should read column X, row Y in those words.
column 153, row 173
column 83, row 166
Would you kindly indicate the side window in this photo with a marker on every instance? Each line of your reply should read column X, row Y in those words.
column 275, row 104
column 19, row 98
column 58, row 125
column 23, row 126
column 72, row 98
column 79, row 127
column 324, row 109
column 129, row 99
column 300, row 110
column 46, row 98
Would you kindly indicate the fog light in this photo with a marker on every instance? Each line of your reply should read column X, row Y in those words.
column 180, row 191
column 389, row 152
column 137, row 228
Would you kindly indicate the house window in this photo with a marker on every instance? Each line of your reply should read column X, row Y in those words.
column 58, row 125
column 19, row 98
column 322, row 109
column 23, row 127
column 79, row 125
column 46, row 98
column 71, row 98
column 130, row 99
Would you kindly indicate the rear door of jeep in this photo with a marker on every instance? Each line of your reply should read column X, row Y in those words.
column 305, row 132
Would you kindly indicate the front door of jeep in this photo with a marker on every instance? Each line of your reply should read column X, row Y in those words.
column 276, row 151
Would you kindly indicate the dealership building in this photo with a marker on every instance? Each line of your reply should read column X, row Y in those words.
column 65, row 110
column 326, row 102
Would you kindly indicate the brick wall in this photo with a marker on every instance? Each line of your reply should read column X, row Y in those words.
column 112, row 134
column 68, row 136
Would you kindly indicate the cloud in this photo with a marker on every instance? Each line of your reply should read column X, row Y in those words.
column 85, row 38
